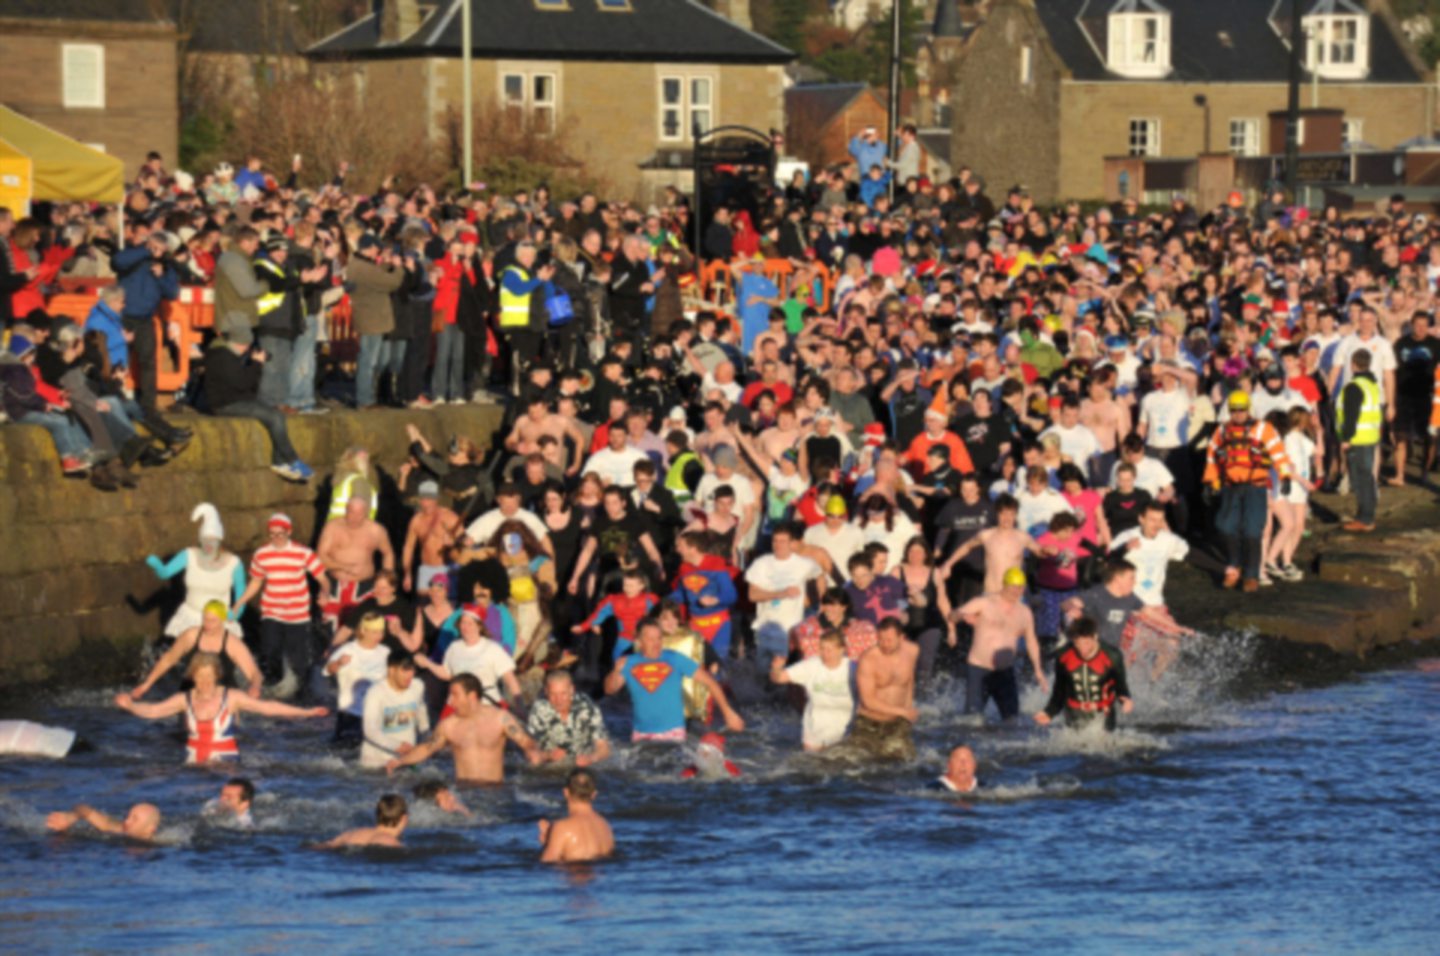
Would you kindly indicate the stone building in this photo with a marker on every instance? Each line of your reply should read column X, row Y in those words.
column 1047, row 89
column 100, row 71
column 626, row 79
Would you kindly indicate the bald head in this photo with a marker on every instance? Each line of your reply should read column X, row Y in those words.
column 142, row 821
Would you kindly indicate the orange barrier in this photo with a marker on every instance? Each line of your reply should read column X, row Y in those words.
column 717, row 284
column 714, row 278
column 72, row 305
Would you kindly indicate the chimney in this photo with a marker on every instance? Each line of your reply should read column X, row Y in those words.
column 398, row 19
column 736, row 11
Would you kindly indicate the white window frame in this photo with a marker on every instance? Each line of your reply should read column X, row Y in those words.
column 1352, row 134
column 688, row 107
column 1027, row 65
column 1325, row 47
column 70, row 96
column 1248, row 142
column 1132, row 51
column 529, row 105
column 1151, row 128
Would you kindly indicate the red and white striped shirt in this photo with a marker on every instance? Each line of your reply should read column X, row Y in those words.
column 286, row 595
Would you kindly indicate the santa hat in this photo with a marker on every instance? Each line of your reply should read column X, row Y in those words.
column 209, row 517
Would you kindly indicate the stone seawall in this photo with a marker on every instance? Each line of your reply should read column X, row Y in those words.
column 76, row 599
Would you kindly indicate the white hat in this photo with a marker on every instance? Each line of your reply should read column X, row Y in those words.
column 209, row 517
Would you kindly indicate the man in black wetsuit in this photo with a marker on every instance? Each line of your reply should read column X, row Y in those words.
column 1089, row 680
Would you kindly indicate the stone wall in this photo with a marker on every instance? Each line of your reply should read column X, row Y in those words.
column 76, row 599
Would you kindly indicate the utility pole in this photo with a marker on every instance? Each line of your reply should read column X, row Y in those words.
column 467, row 94
column 1292, row 119
column 895, row 12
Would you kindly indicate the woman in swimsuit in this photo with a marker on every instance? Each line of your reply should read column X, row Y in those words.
column 211, row 637
column 210, row 711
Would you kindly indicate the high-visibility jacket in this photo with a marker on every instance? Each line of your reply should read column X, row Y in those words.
column 514, row 308
column 1244, row 454
column 675, row 477
column 1371, row 417
column 270, row 301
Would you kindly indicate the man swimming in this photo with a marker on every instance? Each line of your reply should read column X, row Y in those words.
column 959, row 775
column 439, row 793
column 1000, row 621
column 584, row 834
column 475, row 733
column 141, row 823
column 232, row 807
column 391, row 817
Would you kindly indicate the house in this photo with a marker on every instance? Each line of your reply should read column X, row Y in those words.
column 627, row 80
column 1047, row 89
column 100, row 71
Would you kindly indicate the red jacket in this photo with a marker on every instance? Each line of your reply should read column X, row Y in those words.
column 447, row 290
column 30, row 298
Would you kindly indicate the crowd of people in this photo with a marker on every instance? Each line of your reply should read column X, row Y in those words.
column 962, row 438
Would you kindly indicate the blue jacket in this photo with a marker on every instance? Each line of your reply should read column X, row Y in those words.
column 867, row 154
column 103, row 319
column 872, row 189
column 143, row 291
column 245, row 178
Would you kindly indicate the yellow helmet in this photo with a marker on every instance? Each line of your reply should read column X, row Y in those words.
column 835, row 507
column 1014, row 578
column 1239, row 401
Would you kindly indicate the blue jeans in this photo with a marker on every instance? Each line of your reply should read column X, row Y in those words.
column 70, row 439
column 1360, row 461
column 372, row 358
column 1241, row 522
column 275, row 374
column 302, row 365
column 281, row 451
column 771, row 640
column 448, row 379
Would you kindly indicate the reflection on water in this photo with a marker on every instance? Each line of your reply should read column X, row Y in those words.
column 1212, row 821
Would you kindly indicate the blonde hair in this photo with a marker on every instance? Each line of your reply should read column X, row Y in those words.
column 371, row 622
column 201, row 661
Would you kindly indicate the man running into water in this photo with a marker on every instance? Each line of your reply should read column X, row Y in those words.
column 475, row 733
column 1005, row 546
column 1000, row 621
column 391, row 816
column 432, row 531
column 141, row 823
column 1089, row 681
column 959, row 775
column 655, row 678
column 1125, row 621
column 885, row 679
column 583, row 835
column 232, row 807
column 347, row 549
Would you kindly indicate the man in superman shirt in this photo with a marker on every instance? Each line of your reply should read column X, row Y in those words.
column 655, row 678
column 708, row 596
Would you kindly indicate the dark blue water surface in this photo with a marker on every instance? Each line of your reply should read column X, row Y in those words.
column 1298, row 822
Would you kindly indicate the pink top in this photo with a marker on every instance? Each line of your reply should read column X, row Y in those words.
column 1086, row 505
column 1061, row 572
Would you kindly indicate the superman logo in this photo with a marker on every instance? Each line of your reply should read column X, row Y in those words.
column 651, row 676
column 695, row 582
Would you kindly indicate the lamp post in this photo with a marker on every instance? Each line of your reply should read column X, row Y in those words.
column 1292, row 118
column 467, row 94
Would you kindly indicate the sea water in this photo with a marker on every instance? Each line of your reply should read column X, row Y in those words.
column 1215, row 821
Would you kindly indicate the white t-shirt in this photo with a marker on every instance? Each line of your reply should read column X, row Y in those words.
column 392, row 717
column 1038, row 509
column 1151, row 560
column 486, row 659
column 830, row 700
column 1300, row 449
column 1079, row 444
column 840, row 545
column 1382, row 359
column 483, row 528
column 1150, row 475
column 615, row 467
column 365, row 667
column 1165, row 414
column 901, row 531
column 743, row 487
column 1262, row 403
column 769, row 573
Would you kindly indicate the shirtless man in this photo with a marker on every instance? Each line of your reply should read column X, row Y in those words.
column 539, row 421
column 999, row 619
column 475, row 733
column 1107, row 418
column 1005, row 546
column 785, row 433
column 347, row 545
column 391, row 816
column 582, row 836
column 139, row 824
column 885, row 679
column 433, row 529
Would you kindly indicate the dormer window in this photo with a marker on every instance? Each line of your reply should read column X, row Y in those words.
column 1138, row 37
column 1337, row 40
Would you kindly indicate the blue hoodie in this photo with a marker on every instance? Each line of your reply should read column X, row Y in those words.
column 103, row 319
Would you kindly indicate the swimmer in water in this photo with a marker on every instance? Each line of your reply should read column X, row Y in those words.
column 439, row 793
column 1000, row 622
column 959, row 775
column 232, row 807
column 1089, row 681
column 582, row 836
column 391, row 816
column 475, row 733
column 140, row 823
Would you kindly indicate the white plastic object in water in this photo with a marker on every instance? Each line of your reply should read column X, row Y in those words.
column 32, row 739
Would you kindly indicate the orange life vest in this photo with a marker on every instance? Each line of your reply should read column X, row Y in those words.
column 1242, row 459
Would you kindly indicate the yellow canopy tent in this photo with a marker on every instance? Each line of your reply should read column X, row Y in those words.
column 15, row 170
column 60, row 167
